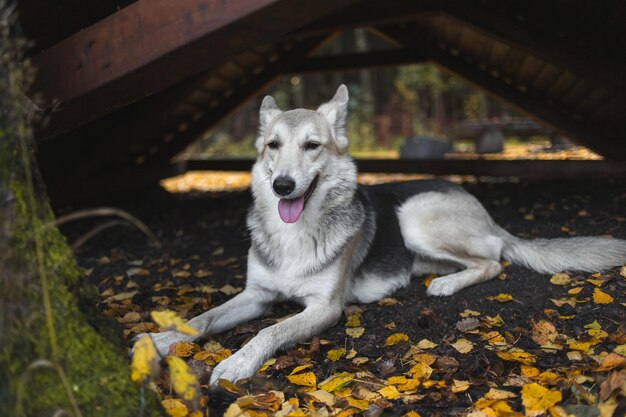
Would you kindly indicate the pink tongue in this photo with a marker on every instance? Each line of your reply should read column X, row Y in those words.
column 290, row 210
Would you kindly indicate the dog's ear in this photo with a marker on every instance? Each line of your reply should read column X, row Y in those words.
column 269, row 110
column 336, row 111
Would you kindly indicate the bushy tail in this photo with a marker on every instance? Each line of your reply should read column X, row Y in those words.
column 591, row 254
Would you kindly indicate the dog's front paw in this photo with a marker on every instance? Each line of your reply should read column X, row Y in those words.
column 239, row 366
column 441, row 287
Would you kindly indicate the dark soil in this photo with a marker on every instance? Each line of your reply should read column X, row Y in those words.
column 207, row 231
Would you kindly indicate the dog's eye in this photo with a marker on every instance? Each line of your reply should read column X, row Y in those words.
column 309, row 146
column 273, row 144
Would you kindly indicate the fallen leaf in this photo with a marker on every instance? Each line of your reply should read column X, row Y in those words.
column 395, row 338
column 230, row 290
column 468, row 324
column 169, row 320
column 175, row 408
column 388, row 302
column 517, row 356
column 600, row 297
column 323, row 397
column 184, row 349
column 543, row 332
column 459, row 386
column 537, row 399
column 502, row 298
column 611, row 361
column 463, row 346
column 612, row 383
column 560, row 278
column 575, row 291
column 336, row 381
column 334, row 354
column 421, row 371
column 389, row 392
column 305, row 379
column 184, row 382
column 355, row 332
column 145, row 362
column 426, row 344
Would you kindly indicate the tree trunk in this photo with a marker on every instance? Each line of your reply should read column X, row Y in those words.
column 52, row 362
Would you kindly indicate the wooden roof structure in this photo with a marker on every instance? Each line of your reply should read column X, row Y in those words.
column 127, row 85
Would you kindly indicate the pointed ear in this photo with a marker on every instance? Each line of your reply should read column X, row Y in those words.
column 336, row 111
column 269, row 110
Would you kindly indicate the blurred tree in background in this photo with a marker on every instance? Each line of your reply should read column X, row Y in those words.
column 387, row 105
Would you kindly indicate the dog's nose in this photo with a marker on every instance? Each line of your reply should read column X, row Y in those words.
column 284, row 185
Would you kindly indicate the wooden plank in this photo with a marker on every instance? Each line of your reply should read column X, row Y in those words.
column 584, row 60
column 524, row 168
column 354, row 61
column 592, row 136
column 150, row 45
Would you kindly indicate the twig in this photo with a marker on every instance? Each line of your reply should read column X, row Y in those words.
column 98, row 229
column 104, row 212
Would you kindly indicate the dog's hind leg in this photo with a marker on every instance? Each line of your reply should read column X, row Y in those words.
column 251, row 303
column 454, row 229
column 477, row 271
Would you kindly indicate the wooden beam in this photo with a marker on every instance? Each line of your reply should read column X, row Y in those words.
column 592, row 136
column 150, row 45
column 583, row 60
column 354, row 61
column 524, row 168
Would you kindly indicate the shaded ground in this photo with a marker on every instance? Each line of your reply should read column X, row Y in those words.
column 204, row 249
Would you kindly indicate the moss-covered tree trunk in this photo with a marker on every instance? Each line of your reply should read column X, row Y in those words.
column 51, row 359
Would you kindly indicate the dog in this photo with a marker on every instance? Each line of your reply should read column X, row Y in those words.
column 323, row 241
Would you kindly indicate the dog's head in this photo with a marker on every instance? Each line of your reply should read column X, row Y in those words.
column 294, row 147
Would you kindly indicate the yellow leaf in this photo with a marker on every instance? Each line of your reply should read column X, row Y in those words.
column 266, row 364
column 305, row 379
column 336, row 381
column 537, row 399
column 469, row 313
column 426, row 344
column 421, row 371
column 578, row 345
column 494, row 337
column 495, row 321
column 529, row 371
column 596, row 282
column 575, row 291
column 517, row 356
column 409, row 385
column 183, row 381
column 301, row 368
column 355, row 332
column 560, row 279
column 169, row 320
column 411, row 414
column 460, row 386
column 175, row 408
column 499, row 394
column 145, row 363
column 395, row 338
column 463, row 346
column 354, row 319
column 600, row 297
column 389, row 392
column 425, row 358
column 622, row 271
column 334, row 354
column 503, row 298
column 351, row 354
column 185, row 349
column 360, row 404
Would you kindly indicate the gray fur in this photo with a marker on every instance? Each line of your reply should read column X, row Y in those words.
column 354, row 243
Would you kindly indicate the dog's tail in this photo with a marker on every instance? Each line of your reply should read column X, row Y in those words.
column 590, row 254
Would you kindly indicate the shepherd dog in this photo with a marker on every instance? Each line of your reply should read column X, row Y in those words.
column 324, row 241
